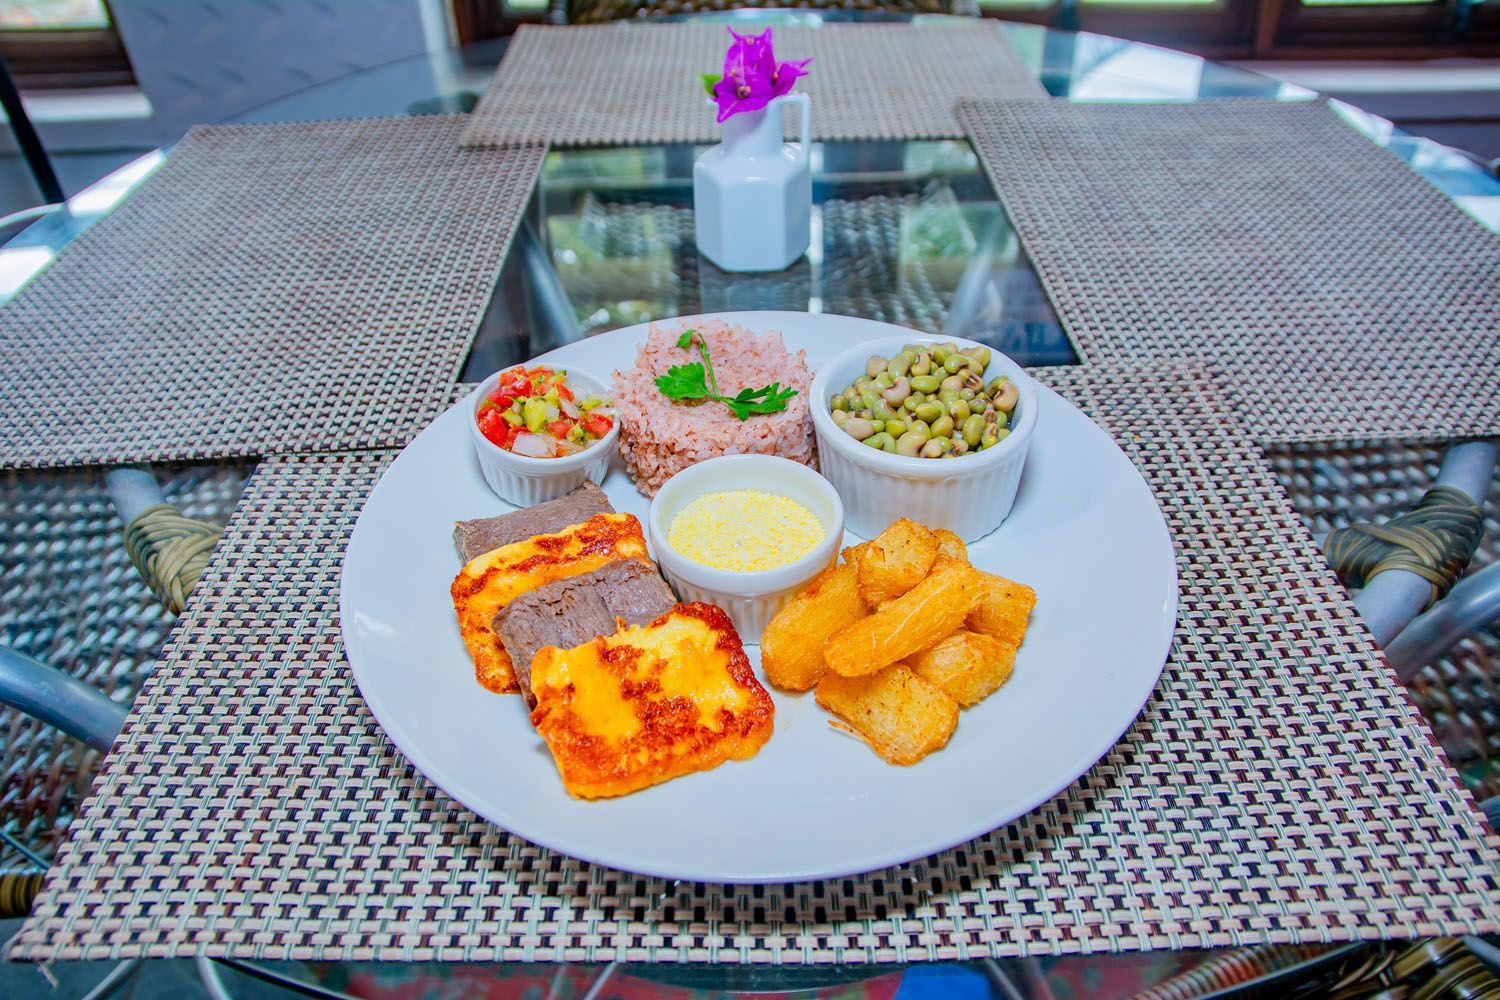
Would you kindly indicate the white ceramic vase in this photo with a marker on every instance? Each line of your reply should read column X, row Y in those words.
column 752, row 193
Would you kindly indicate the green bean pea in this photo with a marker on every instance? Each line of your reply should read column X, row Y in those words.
column 955, row 363
column 884, row 380
column 910, row 444
column 973, row 429
column 913, row 401
column 875, row 365
column 841, row 418
column 941, row 427
column 923, row 364
column 949, row 396
column 899, row 366
column 895, row 427
column 839, row 403
column 959, row 411
column 880, row 441
column 925, row 383
column 929, row 412
column 859, row 428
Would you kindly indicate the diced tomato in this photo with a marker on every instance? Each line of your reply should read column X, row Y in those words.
column 563, row 391
column 493, row 427
column 559, row 428
column 515, row 382
column 597, row 424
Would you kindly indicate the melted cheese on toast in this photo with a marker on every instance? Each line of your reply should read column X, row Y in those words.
column 649, row 703
column 493, row 580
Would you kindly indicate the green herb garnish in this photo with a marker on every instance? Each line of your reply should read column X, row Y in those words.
column 688, row 382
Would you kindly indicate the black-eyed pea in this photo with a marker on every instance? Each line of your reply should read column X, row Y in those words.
column 973, row 429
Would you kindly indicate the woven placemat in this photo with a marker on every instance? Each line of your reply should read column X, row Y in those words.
column 1278, row 787
column 621, row 84
column 272, row 288
column 1337, row 294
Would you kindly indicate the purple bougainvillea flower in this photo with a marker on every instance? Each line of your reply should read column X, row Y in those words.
column 752, row 76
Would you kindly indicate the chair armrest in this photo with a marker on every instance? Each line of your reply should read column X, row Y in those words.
column 50, row 695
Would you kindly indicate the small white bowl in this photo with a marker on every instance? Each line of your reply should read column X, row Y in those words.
column 524, row 481
column 969, row 495
column 752, row 598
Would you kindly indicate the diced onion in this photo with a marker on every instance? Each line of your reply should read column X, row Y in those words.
column 532, row 445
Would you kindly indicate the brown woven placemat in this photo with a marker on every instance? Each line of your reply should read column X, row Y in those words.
column 1337, row 294
column 1278, row 787
column 272, row 288
column 619, row 84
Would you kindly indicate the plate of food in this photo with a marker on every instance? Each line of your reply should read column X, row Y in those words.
column 758, row 597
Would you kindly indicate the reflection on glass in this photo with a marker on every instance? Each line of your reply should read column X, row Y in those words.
column 1105, row 68
column 898, row 230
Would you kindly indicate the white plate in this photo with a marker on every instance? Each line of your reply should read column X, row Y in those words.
column 1085, row 532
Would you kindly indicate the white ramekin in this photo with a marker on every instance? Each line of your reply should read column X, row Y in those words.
column 969, row 495
column 524, row 481
column 750, row 598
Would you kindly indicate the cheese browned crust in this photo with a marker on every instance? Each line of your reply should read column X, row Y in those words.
column 493, row 580
column 650, row 703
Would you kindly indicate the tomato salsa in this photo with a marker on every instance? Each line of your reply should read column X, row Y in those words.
column 533, row 412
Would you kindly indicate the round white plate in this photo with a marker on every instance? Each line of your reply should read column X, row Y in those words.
column 814, row 803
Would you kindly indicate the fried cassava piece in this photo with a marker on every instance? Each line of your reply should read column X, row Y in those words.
column 970, row 666
column 934, row 608
column 895, row 561
column 791, row 650
column 1003, row 608
column 902, row 716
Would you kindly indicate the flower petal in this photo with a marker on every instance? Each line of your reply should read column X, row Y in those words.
column 786, row 75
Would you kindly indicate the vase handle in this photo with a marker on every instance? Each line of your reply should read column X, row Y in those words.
column 805, row 103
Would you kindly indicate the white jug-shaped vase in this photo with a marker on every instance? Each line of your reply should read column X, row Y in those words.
column 752, row 193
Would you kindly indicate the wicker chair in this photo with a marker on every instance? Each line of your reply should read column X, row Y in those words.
column 99, row 598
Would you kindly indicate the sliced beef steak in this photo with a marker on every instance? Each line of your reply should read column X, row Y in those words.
column 475, row 538
column 570, row 612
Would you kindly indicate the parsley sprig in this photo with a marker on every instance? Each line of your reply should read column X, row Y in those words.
column 688, row 382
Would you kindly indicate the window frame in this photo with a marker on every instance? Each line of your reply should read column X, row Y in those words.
column 1281, row 29
column 67, row 58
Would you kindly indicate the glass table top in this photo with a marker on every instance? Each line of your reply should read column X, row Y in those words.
column 906, row 232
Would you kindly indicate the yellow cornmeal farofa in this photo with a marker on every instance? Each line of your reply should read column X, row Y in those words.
column 744, row 530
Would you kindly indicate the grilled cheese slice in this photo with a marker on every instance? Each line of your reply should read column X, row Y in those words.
column 493, row 580
column 649, row 703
